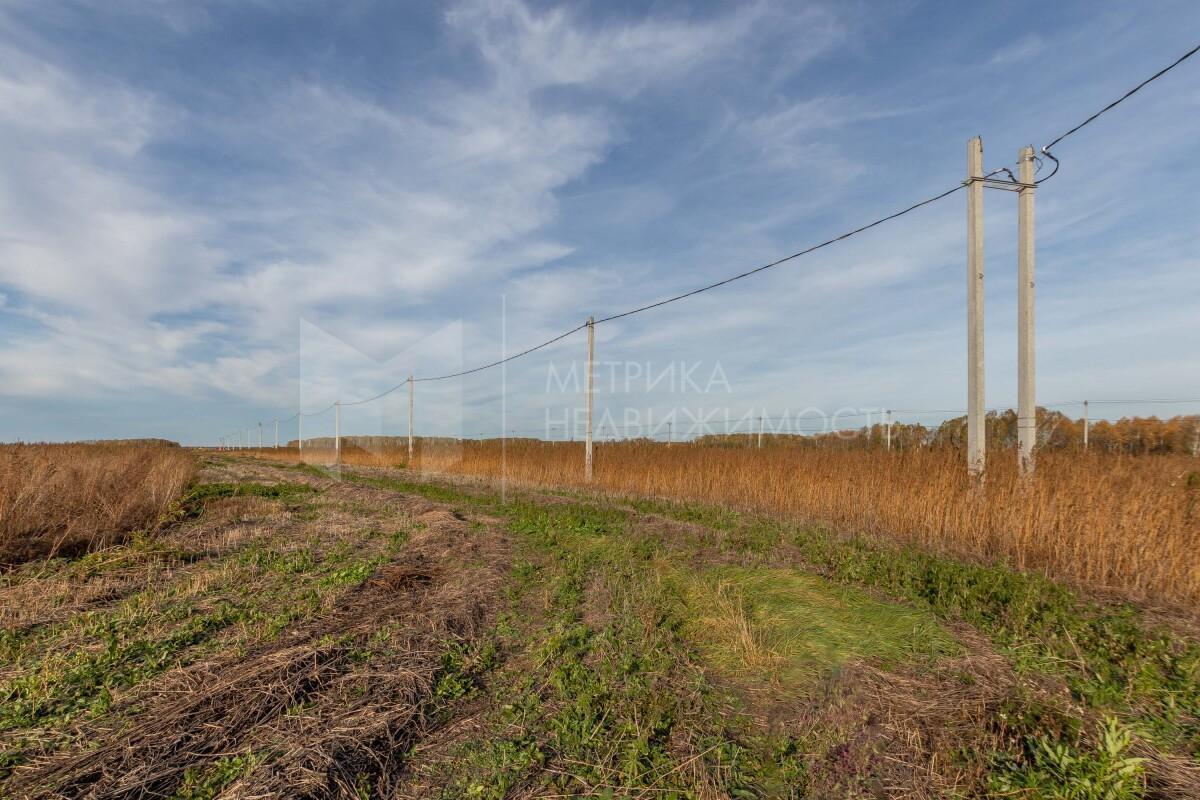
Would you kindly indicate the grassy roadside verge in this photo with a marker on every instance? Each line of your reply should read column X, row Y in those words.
column 1114, row 658
column 599, row 693
column 1129, row 685
column 189, row 606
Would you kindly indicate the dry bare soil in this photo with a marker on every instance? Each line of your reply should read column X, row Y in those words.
column 303, row 633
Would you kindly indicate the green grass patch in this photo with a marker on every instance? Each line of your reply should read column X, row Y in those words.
column 609, row 686
column 430, row 491
column 84, row 681
column 789, row 628
column 1109, row 656
column 1113, row 659
column 205, row 783
column 74, row 669
column 1054, row 769
column 194, row 499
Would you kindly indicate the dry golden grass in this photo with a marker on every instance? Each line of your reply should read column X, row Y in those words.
column 1129, row 524
column 65, row 499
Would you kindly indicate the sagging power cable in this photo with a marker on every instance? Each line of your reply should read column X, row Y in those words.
column 1045, row 150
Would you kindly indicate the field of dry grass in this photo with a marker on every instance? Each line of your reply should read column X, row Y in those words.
column 65, row 499
column 377, row 634
column 1124, row 524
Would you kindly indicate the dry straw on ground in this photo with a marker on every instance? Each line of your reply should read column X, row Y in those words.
column 70, row 498
column 1128, row 524
column 337, row 702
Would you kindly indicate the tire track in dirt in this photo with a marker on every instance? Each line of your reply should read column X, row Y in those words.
column 327, row 709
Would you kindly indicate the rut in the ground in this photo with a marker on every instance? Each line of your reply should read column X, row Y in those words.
column 329, row 708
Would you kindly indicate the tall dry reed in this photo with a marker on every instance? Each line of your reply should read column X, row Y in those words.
column 1129, row 524
column 66, row 499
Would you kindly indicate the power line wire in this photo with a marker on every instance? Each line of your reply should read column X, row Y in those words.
column 1046, row 148
column 376, row 397
column 1135, row 402
column 316, row 413
column 1125, row 96
column 547, row 343
column 835, row 239
column 785, row 259
column 631, row 312
column 1045, row 151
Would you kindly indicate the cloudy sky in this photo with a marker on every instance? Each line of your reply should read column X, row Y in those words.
column 213, row 213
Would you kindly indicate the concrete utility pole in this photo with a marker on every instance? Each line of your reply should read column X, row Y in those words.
column 337, row 431
column 976, row 433
column 410, row 419
column 669, row 435
column 1086, row 424
column 887, row 427
column 1026, row 359
column 587, row 443
column 276, row 434
column 760, row 432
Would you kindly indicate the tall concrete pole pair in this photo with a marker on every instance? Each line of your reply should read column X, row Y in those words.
column 1026, row 372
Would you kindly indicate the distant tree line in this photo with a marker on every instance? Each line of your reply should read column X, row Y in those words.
column 1131, row 435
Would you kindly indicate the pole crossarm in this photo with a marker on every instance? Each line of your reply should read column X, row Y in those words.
column 993, row 183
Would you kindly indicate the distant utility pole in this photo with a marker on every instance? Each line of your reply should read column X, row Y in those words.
column 276, row 434
column 337, row 431
column 887, row 427
column 1026, row 360
column 260, row 436
column 1086, row 424
column 410, row 419
column 669, row 435
column 587, row 444
column 976, row 438
column 760, row 431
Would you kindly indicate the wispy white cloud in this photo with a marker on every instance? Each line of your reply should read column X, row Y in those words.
column 796, row 135
column 530, row 50
column 1022, row 49
column 572, row 161
column 372, row 209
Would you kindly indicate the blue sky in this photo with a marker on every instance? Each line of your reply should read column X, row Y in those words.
column 211, row 212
